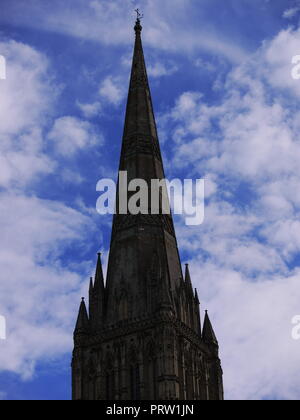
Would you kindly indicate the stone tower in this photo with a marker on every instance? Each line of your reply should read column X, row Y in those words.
column 142, row 338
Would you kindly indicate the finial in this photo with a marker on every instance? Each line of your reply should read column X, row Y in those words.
column 91, row 285
column 139, row 15
column 82, row 299
column 138, row 26
column 99, row 254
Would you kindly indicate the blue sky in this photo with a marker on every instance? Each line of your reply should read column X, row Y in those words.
column 227, row 110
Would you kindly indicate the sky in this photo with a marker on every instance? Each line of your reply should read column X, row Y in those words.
column 227, row 110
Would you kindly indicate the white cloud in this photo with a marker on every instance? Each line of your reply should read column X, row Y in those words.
column 20, row 162
column 111, row 23
column 71, row 176
column 26, row 96
column 27, row 91
column 113, row 90
column 90, row 110
column 39, row 294
column 71, row 135
column 253, row 325
column 292, row 12
column 244, row 257
column 126, row 60
column 277, row 60
column 205, row 65
column 160, row 69
column 186, row 103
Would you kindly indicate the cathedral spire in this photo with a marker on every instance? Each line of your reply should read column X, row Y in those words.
column 188, row 280
column 145, row 302
column 136, row 237
column 82, row 325
column 140, row 132
column 91, row 288
column 208, row 333
column 99, row 278
column 97, row 292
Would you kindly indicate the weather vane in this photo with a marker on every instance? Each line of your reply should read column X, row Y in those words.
column 138, row 14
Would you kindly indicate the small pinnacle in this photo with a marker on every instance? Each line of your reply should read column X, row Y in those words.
column 82, row 299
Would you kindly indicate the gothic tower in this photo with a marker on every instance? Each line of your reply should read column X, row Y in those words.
column 142, row 338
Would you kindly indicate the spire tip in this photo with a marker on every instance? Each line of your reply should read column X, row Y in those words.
column 139, row 15
column 138, row 27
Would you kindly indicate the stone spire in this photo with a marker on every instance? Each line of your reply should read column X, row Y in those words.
column 97, row 297
column 99, row 278
column 142, row 339
column 82, row 324
column 91, row 288
column 135, row 238
column 208, row 333
column 188, row 280
column 140, row 131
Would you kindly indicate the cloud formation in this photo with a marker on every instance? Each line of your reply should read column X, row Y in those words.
column 245, row 256
column 292, row 11
column 39, row 295
column 70, row 135
column 110, row 23
column 38, row 292
column 26, row 95
column 112, row 89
